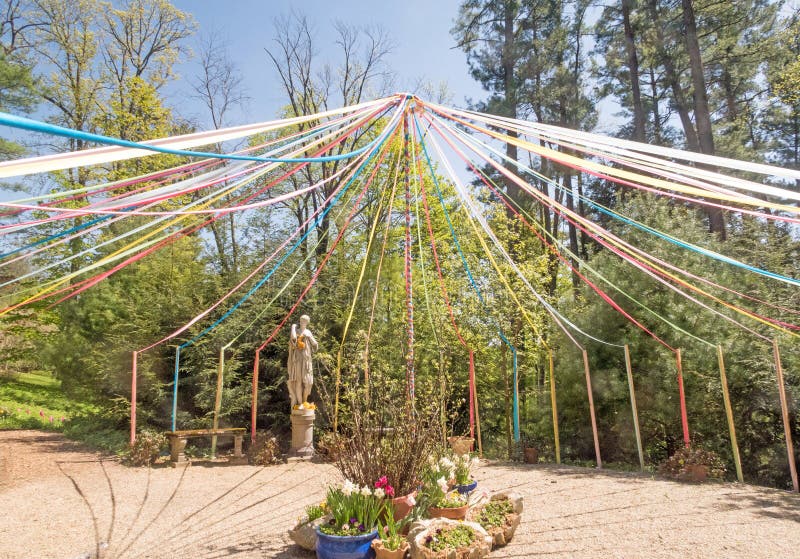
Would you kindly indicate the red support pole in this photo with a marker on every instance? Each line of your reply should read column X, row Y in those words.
column 133, row 398
column 682, row 395
column 254, row 403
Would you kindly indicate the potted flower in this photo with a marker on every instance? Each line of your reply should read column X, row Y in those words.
column 530, row 449
column 500, row 516
column 436, row 495
column 444, row 539
column 390, row 543
column 353, row 525
column 462, row 465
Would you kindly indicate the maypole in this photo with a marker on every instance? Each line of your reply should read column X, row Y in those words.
column 407, row 273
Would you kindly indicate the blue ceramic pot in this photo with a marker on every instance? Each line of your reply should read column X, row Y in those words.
column 345, row 547
column 468, row 488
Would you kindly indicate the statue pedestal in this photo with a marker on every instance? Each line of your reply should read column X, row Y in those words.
column 302, row 434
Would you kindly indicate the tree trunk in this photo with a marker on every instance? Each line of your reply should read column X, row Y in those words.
column 509, row 90
column 702, row 114
column 633, row 69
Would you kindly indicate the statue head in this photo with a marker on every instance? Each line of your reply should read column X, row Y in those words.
column 304, row 321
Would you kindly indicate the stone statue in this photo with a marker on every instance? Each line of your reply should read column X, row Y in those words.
column 301, row 376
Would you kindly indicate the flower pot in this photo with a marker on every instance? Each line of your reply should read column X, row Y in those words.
column 403, row 505
column 383, row 553
column 531, row 455
column 345, row 547
column 697, row 472
column 467, row 488
column 458, row 513
column 461, row 445
column 478, row 549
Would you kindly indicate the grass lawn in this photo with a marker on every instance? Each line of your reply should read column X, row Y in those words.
column 35, row 401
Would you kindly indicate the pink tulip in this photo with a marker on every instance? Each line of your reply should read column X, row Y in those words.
column 41, row 413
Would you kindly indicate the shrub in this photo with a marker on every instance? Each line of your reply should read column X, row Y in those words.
column 265, row 451
column 146, row 448
column 679, row 464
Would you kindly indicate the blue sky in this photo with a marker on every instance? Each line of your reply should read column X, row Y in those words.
column 420, row 30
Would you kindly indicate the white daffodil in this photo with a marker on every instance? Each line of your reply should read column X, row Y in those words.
column 348, row 488
column 411, row 500
column 442, row 484
column 379, row 493
column 366, row 491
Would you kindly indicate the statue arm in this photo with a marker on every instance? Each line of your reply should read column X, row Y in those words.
column 311, row 339
column 294, row 332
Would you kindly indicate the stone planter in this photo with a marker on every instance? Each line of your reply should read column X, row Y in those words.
column 531, row 455
column 452, row 513
column 467, row 487
column 461, row 445
column 383, row 553
column 305, row 534
column 345, row 547
column 403, row 505
column 478, row 549
column 502, row 534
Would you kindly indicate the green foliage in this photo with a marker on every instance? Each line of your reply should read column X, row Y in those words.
column 355, row 510
column 493, row 513
column 679, row 464
column 455, row 537
column 146, row 448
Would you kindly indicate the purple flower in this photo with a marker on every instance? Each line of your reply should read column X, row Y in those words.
column 362, row 528
column 354, row 521
column 332, row 522
column 429, row 539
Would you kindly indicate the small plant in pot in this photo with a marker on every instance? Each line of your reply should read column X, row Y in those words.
column 441, row 538
column 391, row 544
column 530, row 447
column 693, row 463
column 353, row 524
column 304, row 533
column 435, row 494
column 461, row 444
column 463, row 465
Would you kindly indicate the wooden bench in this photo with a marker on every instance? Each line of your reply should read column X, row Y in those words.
column 177, row 441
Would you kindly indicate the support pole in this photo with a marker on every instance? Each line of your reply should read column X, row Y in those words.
column 682, row 396
column 218, row 399
column 175, row 388
column 787, row 428
column 729, row 414
column 591, row 409
column 477, row 411
column 133, row 397
column 254, row 402
column 554, row 407
column 471, row 383
column 634, row 409
column 515, row 404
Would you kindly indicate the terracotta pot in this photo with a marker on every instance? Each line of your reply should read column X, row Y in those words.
column 531, row 455
column 697, row 472
column 461, row 445
column 383, row 553
column 403, row 505
column 459, row 513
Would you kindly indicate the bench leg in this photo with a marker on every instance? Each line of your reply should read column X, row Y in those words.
column 237, row 446
column 176, row 447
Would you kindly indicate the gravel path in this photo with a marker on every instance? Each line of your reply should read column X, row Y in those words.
column 63, row 502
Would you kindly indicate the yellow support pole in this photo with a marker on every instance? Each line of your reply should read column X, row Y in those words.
column 218, row 398
column 591, row 409
column 787, row 428
column 729, row 414
column 554, row 407
column 634, row 409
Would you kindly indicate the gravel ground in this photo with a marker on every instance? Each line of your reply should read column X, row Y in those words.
column 63, row 502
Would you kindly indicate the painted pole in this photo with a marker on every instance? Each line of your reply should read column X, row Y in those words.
column 591, row 409
column 682, row 396
column 218, row 398
column 729, row 414
column 175, row 388
column 554, row 407
column 133, row 398
column 516, row 396
column 471, row 384
column 787, row 428
column 477, row 411
column 254, row 403
column 634, row 409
